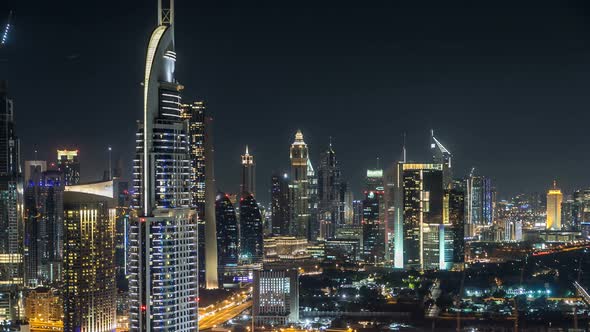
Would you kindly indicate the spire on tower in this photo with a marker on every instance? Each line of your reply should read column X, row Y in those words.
column 247, row 149
column 165, row 12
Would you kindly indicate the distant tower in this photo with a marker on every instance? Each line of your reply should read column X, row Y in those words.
column 68, row 162
column 329, row 186
column 280, row 204
column 299, row 188
column 554, row 200
column 478, row 204
column 227, row 232
column 248, row 184
column 163, row 285
column 251, row 230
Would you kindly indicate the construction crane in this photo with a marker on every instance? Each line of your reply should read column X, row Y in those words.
column 6, row 29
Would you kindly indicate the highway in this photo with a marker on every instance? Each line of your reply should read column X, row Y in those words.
column 223, row 315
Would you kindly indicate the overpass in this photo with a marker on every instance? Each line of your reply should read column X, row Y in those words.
column 582, row 292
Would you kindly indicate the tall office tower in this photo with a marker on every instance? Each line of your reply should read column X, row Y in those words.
column 299, row 188
column 329, row 193
column 346, row 202
column 373, row 229
column 122, row 230
column 248, row 184
column 35, row 240
column 280, row 204
column 357, row 212
column 554, row 200
column 440, row 155
column 454, row 208
column 478, row 204
column 275, row 297
column 567, row 215
column 11, row 225
column 43, row 213
column 89, row 287
column 228, row 239
column 389, row 182
column 163, row 285
column 421, row 233
column 313, row 203
column 202, row 183
column 251, row 230
column 68, row 163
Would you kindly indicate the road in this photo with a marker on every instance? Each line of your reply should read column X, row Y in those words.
column 221, row 316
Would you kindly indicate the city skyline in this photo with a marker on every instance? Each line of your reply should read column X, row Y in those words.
column 464, row 87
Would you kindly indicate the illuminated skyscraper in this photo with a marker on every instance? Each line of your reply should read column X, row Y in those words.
column 163, row 267
column 454, row 208
column 373, row 228
column 280, row 204
column 299, row 188
column 202, row 186
column 478, row 204
column 227, row 232
column 251, row 230
column 43, row 212
column 554, row 200
column 248, row 184
column 329, row 187
column 89, row 286
column 68, row 162
column 423, row 239
column 11, row 223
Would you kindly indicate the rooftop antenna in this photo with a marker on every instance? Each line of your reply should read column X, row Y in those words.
column 404, row 148
column 110, row 163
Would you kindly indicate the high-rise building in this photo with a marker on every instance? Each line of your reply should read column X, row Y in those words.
column 163, row 278
column 275, row 297
column 248, row 184
column 251, row 230
column 346, row 205
column 227, row 232
column 329, row 187
column 422, row 237
column 43, row 212
column 313, row 203
column 567, row 215
column 373, row 228
column 479, row 210
column 89, row 286
column 123, row 198
column 68, row 163
column 202, row 186
column 279, row 204
column 357, row 212
column 454, row 208
column 554, row 200
column 299, row 188
column 11, row 223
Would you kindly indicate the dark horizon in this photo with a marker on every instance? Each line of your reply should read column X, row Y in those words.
column 503, row 85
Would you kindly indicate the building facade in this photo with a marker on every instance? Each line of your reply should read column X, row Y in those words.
column 275, row 298
column 554, row 200
column 228, row 240
column 89, row 291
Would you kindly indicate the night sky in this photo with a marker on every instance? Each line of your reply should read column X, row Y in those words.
column 505, row 84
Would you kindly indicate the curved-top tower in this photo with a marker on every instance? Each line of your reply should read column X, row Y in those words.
column 163, row 239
